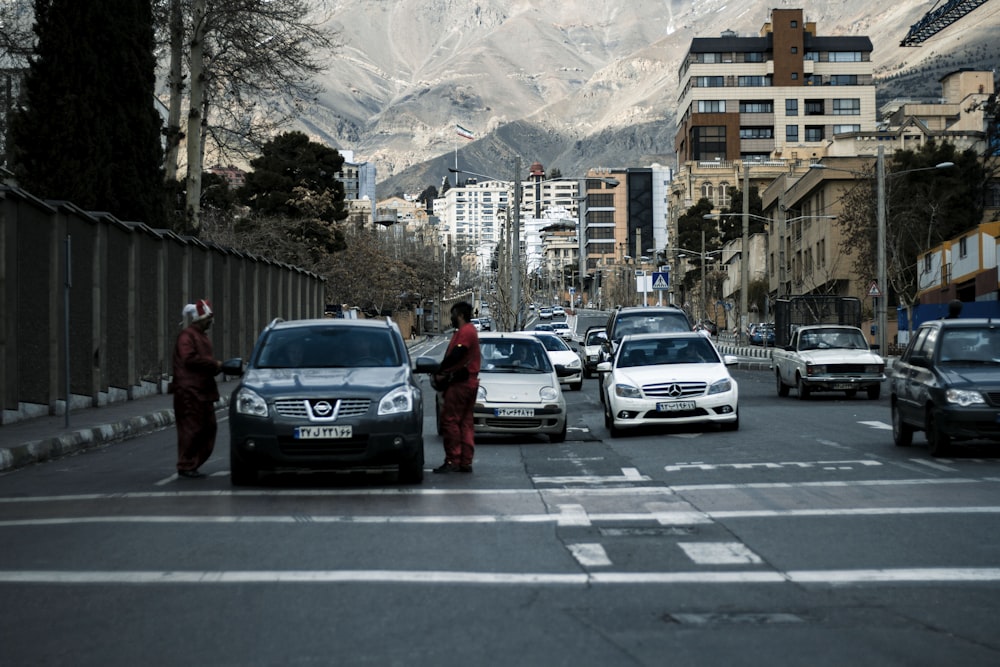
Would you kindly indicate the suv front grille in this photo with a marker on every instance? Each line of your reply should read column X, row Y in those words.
column 302, row 408
column 670, row 389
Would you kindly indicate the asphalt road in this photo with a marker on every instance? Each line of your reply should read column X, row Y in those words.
column 804, row 538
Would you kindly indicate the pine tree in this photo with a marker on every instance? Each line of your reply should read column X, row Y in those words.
column 87, row 130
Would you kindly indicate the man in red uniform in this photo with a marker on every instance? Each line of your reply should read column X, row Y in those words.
column 461, row 364
column 195, row 391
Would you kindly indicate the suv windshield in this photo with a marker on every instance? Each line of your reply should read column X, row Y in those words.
column 327, row 347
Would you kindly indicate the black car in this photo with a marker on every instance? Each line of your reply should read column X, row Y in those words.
column 326, row 394
column 947, row 384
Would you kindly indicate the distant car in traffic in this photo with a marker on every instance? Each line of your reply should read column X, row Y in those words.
column 545, row 313
column 561, row 354
column 590, row 349
column 671, row 378
column 761, row 334
column 558, row 311
column 947, row 384
column 562, row 328
column 544, row 327
column 326, row 394
column 478, row 323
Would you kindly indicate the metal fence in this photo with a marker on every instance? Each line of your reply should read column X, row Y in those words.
column 90, row 305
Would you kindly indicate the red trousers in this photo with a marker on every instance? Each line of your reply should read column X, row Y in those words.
column 196, row 429
column 457, row 423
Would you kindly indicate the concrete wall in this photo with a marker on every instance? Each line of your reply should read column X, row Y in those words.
column 128, row 285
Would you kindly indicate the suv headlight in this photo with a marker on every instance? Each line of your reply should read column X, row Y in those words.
column 627, row 391
column 548, row 393
column 964, row 397
column 249, row 402
column 396, row 401
column 721, row 387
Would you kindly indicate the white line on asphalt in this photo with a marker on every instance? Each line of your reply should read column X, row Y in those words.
column 829, row 577
column 569, row 515
column 167, row 480
column 590, row 554
column 802, row 485
column 936, row 466
column 593, row 479
column 668, row 514
column 633, row 473
column 720, row 553
column 772, row 465
column 882, row 426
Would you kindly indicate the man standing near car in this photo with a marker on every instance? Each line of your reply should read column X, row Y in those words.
column 195, row 391
column 461, row 366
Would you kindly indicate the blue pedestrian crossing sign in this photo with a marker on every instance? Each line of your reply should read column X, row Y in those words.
column 661, row 280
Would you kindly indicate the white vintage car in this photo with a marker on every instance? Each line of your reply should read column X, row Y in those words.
column 828, row 357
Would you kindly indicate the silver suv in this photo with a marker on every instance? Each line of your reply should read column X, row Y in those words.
column 325, row 395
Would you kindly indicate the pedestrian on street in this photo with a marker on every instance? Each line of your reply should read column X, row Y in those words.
column 194, row 389
column 954, row 309
column 460, row 370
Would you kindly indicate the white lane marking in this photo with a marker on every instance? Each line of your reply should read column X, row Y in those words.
column 667, row 514
column 830, row 577
column 882, row 426
column 936, row 466
column 680, row 488
column 570, row 515
column 592, row 479
column 720, row 553
column 589, row 554
column 633, row 473
column 167, row 480
column 773, row 465
column 575, row 458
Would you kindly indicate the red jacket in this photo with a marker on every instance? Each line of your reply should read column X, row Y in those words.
column 195, row 366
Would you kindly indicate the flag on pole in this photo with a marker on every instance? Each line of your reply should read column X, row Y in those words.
column 462, row 132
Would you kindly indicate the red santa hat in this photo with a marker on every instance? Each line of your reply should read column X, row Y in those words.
column 202, row 310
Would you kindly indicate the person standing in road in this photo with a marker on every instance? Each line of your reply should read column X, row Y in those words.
column 460, row 368
column 195, row 391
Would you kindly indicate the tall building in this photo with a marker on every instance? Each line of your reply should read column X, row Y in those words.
column 782, row 94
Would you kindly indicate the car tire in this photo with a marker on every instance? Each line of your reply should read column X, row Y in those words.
column 576, row 386
column 902, row 433
column 411, row 471
column 938, row 440
column 733, row 425
column 782, row 387
column 802, row 389
column 240, row 474
column 560, row 436
column 874, row 392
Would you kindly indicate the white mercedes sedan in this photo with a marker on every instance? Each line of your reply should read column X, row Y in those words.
column 668, row 378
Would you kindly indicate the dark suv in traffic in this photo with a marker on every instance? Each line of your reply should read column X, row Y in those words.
column 947, row 384
column 326, row 394
column 633, row 320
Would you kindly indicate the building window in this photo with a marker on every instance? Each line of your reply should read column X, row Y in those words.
column 963, row 247
column 843, row 79
column 709, row 81
column 927, row 263
column 795, row 49
column 814, row 107
column 597, row 217
column 795, row 76
column 753, row 57
column 757, row 106
column 814, row 133
column 709, row 142
column 847, row 107
column 791, row 107
column 794, row 24
column 845, row 56
column 753, row 81
column 711, row 106
column 708, row 191
column 791, row 133
column 600, row 201
column 844, row 129
column 724, row 195
column 756, row 133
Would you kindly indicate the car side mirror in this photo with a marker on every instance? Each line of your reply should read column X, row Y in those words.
column 730, row 360
column 233, row 367
column 604, row 366
column 428, row 365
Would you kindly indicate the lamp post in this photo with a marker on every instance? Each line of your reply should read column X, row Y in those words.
column 703, row 256
column 880, row 263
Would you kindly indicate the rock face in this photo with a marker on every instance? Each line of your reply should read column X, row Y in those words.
column 570, row 83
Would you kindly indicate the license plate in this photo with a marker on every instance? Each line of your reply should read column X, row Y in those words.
column 675, row 406
column 322, row 432
column 844, row 385
column 514, row 412
column 592, row 357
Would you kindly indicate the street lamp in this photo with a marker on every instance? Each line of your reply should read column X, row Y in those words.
column 881, row 279
column 703, row 256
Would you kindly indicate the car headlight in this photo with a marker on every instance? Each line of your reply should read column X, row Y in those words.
column 249, row 402
column 573, row 364
column 481, row 393
column 721, row 387
column 627, row 391
column 873, row 368
column 816, row 370
column 396, row 401
column 548, row 393
column 964, row 397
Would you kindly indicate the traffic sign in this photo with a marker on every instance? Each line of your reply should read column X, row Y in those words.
column 873, row 289
column 661, row 280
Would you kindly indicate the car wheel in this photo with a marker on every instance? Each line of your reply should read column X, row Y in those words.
column 411, row 471
column 600, row 388
column 802, row 389
column 576, row 386
column 874, row 392
column 902, row 433
column 782, row 387
column 939, row 441
column 560, row 436
column 240, row 474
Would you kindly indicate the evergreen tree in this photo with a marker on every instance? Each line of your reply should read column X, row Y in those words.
column 87, row 130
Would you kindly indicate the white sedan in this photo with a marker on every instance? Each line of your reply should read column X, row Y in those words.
column 562, row 330
column 668, row 378
column 560, row 354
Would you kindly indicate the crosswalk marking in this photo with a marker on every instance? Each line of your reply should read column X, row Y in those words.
column 590, row 554
column 720, row 553
column 881, row 426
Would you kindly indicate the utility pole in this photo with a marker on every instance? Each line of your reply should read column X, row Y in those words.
column 882, row 286
column 516, row 247
column 745, row 260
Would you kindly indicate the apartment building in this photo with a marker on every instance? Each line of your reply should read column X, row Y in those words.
column 781, row 94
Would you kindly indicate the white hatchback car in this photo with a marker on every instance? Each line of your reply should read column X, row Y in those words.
column 562, row 330
column 519, row 388
column 560, row 354
column 668, row 378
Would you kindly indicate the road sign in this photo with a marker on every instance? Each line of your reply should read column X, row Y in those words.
column 661, row 280
column 873, row 289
